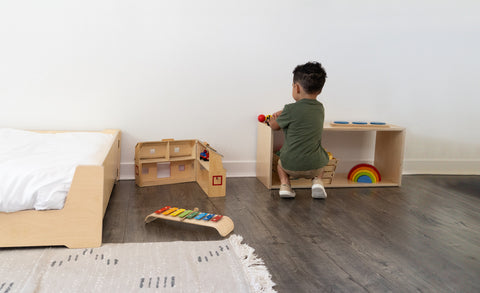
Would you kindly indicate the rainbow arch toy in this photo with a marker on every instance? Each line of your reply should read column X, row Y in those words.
column 364, row 173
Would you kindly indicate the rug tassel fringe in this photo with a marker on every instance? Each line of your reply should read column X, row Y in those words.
column 257, row 273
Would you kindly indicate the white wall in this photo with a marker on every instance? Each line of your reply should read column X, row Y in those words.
column 206, row 69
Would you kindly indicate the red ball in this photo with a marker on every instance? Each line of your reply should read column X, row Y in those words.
column 261, row 118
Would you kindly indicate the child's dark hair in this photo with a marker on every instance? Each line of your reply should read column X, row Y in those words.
column 311, row 76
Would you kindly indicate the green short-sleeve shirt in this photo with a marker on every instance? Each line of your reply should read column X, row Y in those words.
column 302, row 125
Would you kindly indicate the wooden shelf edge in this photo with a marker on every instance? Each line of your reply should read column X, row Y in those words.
column 389, row 127
column 163, row 160
column 339, row 181
column 167, row 180
column 205, row 164
column 346, row 185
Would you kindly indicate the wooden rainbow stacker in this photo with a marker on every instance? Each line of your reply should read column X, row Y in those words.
column 223, row 224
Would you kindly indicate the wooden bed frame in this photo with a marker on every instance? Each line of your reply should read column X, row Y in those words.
column 79, row 224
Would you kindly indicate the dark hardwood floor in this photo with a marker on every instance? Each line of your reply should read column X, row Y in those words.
column 421, row 237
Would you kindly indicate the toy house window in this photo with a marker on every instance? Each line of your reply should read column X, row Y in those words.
column 163, row 170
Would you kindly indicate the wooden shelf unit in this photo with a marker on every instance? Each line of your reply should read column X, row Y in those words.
column 388, row 156
column 175, row 161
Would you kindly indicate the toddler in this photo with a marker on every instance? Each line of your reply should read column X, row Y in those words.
column 302, row 154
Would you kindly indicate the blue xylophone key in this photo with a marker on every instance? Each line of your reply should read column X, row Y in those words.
column 200, row 216
column 208, row 217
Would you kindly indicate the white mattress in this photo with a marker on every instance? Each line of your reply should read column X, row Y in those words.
column 36, row 169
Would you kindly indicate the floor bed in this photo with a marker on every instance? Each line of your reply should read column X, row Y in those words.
column 79, row 223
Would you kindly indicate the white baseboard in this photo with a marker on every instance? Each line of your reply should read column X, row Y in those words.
column 240, row 168
column 127, row 171
column 445, row 167
column 247, row 168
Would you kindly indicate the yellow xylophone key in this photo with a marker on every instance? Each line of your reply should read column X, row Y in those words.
column 177, row 212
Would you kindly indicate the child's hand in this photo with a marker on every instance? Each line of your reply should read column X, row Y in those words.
column 276, row 114
column 273, row 123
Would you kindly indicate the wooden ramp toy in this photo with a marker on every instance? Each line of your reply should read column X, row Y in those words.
column 223, row 224
column 364, row 173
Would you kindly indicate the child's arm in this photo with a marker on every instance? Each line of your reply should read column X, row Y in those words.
column 273, row 121
column 276, row 114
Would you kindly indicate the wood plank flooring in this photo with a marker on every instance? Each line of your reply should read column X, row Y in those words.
column 421, row 237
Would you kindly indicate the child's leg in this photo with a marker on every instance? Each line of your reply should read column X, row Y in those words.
column 286, row 190
column 284, row 177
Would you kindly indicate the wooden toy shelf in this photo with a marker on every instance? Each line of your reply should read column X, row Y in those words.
column 388, row 156
column 175, row 161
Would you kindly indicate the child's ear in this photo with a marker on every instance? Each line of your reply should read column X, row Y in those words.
column 296, row 88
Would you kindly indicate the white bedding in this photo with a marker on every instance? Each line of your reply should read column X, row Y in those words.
column 36, row 169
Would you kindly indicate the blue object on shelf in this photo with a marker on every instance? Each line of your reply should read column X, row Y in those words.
column 364, row 179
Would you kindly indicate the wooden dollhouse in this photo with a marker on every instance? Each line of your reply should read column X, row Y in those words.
column 174, row 161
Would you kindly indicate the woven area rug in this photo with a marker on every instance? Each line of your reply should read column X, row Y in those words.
column 184, row 266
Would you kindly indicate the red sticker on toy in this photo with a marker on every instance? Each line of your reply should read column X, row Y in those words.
column 217, row 180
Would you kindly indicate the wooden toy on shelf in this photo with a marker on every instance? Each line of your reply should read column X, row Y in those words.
column 264, row 118
column 223, row 224
column 329, row 169
column 364, row 173
column 204, row 155
column 176, row 161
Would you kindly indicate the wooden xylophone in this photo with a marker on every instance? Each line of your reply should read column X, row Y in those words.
column 223, row 224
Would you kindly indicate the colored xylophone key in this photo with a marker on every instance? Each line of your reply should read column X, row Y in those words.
column 162, row 210
column 192, row 215
column 208, row 217
column 169, row 211
column 185, row 213
column 177, row 212
column 200, row 216
column 217, row 218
